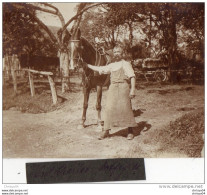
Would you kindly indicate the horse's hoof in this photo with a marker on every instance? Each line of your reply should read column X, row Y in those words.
column 80, row 127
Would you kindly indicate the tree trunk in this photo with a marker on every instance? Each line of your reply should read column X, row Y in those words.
column 64, row 70
column 3, row 79
column 8, row 62
column 14, row 66
column 130, row 34
column 31, row 83
column 3, row 72
column 14, row 78
column 150, row 36
column 53, row 90
column 172, row 44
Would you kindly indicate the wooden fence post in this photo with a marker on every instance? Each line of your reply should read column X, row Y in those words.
column 31, row 82
column 14, row 78
column 53, row 89
column 3, row 79
column 51, row 82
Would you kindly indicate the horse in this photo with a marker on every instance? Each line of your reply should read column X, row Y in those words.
column 82, row 51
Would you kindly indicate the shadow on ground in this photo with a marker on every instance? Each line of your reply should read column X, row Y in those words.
column 168, row 91
column 142, row 126
column 138, row 112
column 90, row 125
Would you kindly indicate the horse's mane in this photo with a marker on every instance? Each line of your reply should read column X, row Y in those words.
column 90, row 52
column 86, row 43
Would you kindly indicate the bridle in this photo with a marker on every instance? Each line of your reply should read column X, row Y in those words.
column 101, row 53
column 80, row 59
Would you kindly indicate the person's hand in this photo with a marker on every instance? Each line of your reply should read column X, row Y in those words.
column 84, row 66
column 132, row 94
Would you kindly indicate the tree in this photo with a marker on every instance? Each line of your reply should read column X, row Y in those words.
column 21, row 35
column 124, row 14
column 194, row 29
column 63, row 36
column 168, row 16
column 94, row 26
column 160, row 22
column 136, row 18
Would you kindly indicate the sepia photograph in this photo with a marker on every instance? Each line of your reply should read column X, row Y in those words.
column 102, row 80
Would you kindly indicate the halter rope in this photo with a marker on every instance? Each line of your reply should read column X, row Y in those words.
column 81, row 59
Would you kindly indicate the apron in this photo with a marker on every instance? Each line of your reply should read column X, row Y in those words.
column 118, row 110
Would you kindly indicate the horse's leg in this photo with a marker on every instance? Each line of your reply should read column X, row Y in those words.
column 98, row 104
column 86, row 92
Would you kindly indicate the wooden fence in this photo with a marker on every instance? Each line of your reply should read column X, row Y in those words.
column 13, row 74
column 50, row 79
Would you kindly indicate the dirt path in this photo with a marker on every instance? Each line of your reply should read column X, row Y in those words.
column 55, row 134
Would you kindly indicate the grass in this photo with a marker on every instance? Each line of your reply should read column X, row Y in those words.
column 184, row 134
column 181, row 138
column 40, row 103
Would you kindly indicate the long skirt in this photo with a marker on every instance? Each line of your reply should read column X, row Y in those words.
column 118, row 110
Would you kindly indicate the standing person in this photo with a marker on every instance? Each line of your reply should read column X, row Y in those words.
column 118, row 110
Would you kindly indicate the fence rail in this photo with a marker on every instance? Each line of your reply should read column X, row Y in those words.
column 50, row 79
column 31, row 73
column 39, row 72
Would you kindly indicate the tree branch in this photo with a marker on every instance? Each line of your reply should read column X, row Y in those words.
column 105, row 7
column 28, row 8
column 51, row 6
column 56, row 12
column 60, row 16
column 51, row 35
column 78, row 14
column 43, row 34
column 78, row 20
column 44, row 10
column 62, row 20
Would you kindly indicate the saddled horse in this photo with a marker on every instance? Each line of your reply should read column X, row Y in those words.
column 82, row 51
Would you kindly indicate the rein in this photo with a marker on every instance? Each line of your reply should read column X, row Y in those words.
column 97, row 52
column 97, row 62
column 80, row 59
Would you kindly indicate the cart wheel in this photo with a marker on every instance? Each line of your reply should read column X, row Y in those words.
column 160, row 75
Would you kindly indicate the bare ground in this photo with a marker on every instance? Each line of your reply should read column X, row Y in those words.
column 55, row 134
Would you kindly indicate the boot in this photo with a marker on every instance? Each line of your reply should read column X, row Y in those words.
column 104, row 134
column 130, row 135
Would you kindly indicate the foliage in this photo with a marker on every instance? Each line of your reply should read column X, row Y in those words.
column 21, row 34
column 25, row 103
column 184, row 135
column 139, row 51
column 187, row 125
column 121, row 13
column 94, row 28
column 160, row 22
column 173, row 32
column 190, row 128
column 167, row 29
column 60, row 42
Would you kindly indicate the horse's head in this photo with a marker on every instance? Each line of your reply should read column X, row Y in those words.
column 81, row 50
column 75, row 48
